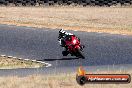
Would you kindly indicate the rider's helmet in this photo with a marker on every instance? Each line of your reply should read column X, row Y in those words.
column 62, row 32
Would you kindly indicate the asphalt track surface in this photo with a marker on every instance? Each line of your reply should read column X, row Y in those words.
column 101, row 49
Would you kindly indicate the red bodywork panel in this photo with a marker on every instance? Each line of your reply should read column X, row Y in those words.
column 73, row 43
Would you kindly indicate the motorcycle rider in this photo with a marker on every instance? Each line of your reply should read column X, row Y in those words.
column 63, row 35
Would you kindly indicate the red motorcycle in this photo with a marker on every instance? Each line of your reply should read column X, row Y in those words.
column 73, row 46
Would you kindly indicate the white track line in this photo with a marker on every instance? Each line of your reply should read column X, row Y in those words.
column 26, row 59
column 39, row 61
column 47, row 64
column 3, row 55
column 9, row 56
column 42, row 62
column 33, row 60
column 14, row 57
column 20, row 59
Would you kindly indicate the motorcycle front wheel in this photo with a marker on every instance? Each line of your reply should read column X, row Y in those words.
column 79, row 54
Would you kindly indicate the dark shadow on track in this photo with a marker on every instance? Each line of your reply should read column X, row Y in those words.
column 60, row 59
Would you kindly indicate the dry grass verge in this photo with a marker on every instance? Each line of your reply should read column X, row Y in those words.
column 12, row 63
column 54, row 81
column 91, row 19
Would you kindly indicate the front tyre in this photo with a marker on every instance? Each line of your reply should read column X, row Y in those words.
column 79, row 54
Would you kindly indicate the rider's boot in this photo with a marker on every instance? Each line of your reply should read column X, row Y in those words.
column 65, row 52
